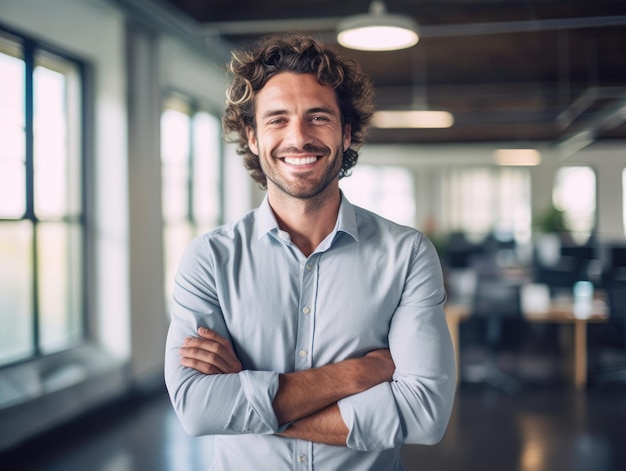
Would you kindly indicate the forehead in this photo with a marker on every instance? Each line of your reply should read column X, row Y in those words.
column 292, row 90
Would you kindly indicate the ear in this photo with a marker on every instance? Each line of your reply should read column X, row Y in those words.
column 347, row 137
column 252, row 141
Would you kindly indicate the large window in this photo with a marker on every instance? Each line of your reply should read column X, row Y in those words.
column 575, row 194
column 190, row 155
column 479, row 201
column 388, row 191
column 41, row 208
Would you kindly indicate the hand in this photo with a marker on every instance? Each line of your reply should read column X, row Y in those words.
column 209, row 354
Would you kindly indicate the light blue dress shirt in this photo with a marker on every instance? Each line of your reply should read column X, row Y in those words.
column 370, row 284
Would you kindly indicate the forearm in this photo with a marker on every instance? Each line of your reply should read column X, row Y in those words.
column 230, row 402
column 415, row 407
column 303, row 393
column 325, row 426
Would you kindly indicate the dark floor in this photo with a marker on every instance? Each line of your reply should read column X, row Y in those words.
column 541, row 428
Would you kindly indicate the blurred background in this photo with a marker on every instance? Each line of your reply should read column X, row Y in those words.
column 501, row 134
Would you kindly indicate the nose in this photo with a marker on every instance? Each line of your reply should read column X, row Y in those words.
column 299, row 133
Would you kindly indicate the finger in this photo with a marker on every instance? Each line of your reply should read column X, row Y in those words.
column 220, row 357
column 214, row 360
column 213, row 336
column 202, row 367
column 221, row 346
column 224, row 350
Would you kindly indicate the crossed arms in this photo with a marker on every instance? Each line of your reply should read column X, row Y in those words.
column 307, row 400
column 368, row 403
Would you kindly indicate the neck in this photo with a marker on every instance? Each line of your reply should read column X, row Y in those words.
column 307, row 221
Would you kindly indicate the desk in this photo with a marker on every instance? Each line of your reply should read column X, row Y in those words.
column 561, row 312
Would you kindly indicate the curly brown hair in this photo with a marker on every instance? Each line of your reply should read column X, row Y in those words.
column 250, row 71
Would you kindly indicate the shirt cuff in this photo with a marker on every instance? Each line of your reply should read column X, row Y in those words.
column 372, row 419
column 255, row 413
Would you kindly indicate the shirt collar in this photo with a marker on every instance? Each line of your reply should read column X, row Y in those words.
column 266, row 221
column 346, row 219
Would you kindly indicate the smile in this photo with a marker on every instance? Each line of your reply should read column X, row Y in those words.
column 300, row 160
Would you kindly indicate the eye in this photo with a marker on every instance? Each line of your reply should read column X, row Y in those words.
column 276, row 121
column 320, row 119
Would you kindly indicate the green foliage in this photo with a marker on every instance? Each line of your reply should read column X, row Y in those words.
column 552, row 221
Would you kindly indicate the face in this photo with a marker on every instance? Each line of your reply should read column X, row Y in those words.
column 299, row 137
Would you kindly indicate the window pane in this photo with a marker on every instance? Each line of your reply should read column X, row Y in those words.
column 206, row 151
column 575, row 194
column 41, row 279
column 57, row 169
column 190, row 154
column 12, row 135
column 513, row 211
column 175, row 134
column 479, row 201
column 16, row 296
column 59, row 249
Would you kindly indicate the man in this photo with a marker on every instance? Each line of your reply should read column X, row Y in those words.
column 311, row 333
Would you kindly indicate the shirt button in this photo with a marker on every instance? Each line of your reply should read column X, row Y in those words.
column 306, row 310
column 308, row 267
column 303, row 353
column 301, row 458
column 284, row 236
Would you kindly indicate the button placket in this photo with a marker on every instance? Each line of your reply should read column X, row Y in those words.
column 308, row 294
column 302, row 455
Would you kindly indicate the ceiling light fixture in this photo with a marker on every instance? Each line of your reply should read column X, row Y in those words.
column 517, row 157
column 377, row 30
column 412, row 119
column 419, row 115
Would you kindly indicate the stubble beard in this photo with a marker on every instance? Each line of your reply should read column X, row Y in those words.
column 302, row 189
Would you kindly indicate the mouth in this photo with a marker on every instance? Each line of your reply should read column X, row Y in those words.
column 299, row 161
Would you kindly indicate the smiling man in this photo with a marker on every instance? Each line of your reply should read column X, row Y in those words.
column 299, row 136
column 310, row 334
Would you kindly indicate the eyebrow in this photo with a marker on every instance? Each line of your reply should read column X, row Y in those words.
column 317, row 109
column 270, row 113
column 321, row 109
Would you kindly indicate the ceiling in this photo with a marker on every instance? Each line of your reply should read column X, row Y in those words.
column 549, row 71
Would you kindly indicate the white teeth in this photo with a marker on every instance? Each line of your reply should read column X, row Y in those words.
column 300, row 161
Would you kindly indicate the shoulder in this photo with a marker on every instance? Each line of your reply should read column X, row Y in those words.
column 223, row 238
column 370, row 222
column 377, row 230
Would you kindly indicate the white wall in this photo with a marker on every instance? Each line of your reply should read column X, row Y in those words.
column 189, row 71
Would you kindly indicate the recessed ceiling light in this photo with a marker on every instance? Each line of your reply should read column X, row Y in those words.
column 517, row 157
column 412, row 119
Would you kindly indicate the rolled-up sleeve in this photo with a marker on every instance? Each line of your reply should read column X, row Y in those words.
column 415, row 407
column 211, row 404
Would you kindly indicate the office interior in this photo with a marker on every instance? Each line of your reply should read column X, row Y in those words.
column 139, row 168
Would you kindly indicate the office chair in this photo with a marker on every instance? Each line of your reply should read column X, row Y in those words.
column 495, row 301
